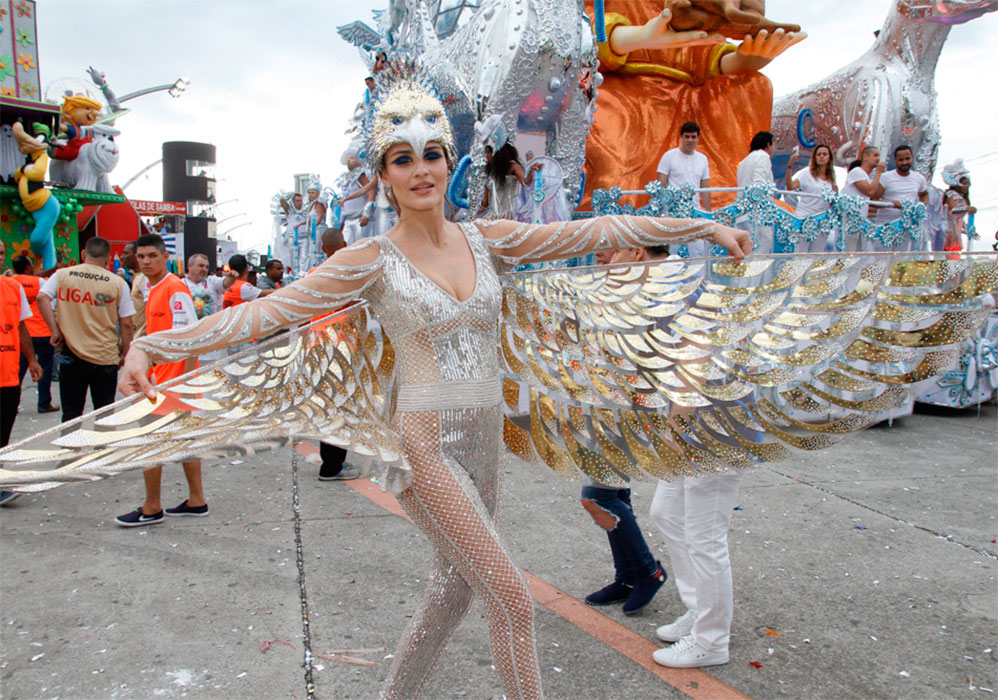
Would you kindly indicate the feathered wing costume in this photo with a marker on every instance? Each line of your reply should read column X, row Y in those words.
column 642, row 371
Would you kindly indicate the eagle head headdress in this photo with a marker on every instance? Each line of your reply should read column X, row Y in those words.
column 407, row 110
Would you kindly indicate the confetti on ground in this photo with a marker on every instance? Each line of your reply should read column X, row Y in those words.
column 772, row 632
column 740, row 508
column 859, row 527
column 904, row 674
column 265, row 643
column 755, row 664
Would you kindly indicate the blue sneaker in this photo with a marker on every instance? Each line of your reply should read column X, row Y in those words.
column 645, row 589
column 184, row 509
column 616, row 592
column 137, row 518
column 7, row 496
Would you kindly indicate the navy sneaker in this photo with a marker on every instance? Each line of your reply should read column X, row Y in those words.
column 184, row 509
column 7, row 496
column 645, row 589
column 137, row 518
column 616, row 592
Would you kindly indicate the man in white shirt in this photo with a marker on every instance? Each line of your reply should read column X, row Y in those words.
column 901, row 184
column 757, row 166
column 685, row 166
column 207, row 291
column 863, row 181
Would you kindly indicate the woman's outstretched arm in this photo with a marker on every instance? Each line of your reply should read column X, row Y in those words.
column 519, row 243
column 339, row 280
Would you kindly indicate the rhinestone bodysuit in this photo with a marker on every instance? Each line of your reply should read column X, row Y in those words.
column 448, row 413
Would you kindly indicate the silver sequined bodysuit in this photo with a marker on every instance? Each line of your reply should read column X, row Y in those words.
column 448, row 412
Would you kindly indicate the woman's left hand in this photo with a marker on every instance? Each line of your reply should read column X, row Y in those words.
column 737, row 242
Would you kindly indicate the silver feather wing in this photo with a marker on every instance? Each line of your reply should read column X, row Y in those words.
column 681, row 368
column 359, row 34
column 329, row 381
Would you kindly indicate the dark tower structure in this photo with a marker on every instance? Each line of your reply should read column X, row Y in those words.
column 189, row 176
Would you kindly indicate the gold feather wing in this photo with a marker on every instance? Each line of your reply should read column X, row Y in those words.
column 330, row 380
column 680, row 368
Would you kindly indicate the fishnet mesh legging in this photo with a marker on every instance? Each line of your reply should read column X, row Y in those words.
column 447, row 506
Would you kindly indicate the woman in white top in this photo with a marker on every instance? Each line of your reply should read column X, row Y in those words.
column 816, row 180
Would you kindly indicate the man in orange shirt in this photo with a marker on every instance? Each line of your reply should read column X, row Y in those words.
column 24, row 273
column 169, row 305
column 14, row 341
column 241, row 290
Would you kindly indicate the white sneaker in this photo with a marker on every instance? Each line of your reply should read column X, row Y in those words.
column 686, row 653
column 678, row 628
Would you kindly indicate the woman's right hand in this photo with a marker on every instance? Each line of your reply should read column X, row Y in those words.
column 134, row 374
column 738, row 243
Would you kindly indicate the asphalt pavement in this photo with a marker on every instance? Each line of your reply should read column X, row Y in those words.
column 863, row 571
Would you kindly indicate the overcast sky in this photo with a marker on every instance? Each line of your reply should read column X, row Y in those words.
column 273, row 86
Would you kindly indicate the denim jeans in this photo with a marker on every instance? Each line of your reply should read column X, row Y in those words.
column 631, row 557
column 44, row 352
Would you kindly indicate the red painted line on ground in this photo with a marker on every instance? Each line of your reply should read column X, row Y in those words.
column 695, row 683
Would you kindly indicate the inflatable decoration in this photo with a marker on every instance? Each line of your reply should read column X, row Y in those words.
column 43, row 207
column 95, row 159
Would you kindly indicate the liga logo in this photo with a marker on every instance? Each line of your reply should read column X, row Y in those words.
column 83, row 297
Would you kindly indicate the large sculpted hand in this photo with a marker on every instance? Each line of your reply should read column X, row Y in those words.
column 755, row 52
column 658, row 33
column 768, row 46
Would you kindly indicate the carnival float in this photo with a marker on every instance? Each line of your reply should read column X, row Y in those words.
column 593, row 93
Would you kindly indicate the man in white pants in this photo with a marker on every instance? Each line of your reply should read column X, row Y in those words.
column 693, row 514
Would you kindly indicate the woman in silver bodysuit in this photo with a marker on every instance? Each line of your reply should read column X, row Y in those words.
column 434, row 287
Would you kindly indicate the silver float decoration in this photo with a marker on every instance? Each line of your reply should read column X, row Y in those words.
column 531, row 62
column 886, row 97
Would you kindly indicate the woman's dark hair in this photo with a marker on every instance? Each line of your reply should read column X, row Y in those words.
column 501, row 161
column 953, row 188
column 855, row 164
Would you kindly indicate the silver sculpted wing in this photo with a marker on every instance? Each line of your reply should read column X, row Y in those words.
column 677, row 368
column 327, row 381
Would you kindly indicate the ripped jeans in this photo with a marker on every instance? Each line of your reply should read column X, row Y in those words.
column 631, row 557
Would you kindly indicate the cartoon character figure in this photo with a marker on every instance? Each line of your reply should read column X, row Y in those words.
column 44, row 208
column 79, row 114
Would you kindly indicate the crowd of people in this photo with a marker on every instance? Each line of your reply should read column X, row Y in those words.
column 882, row 191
